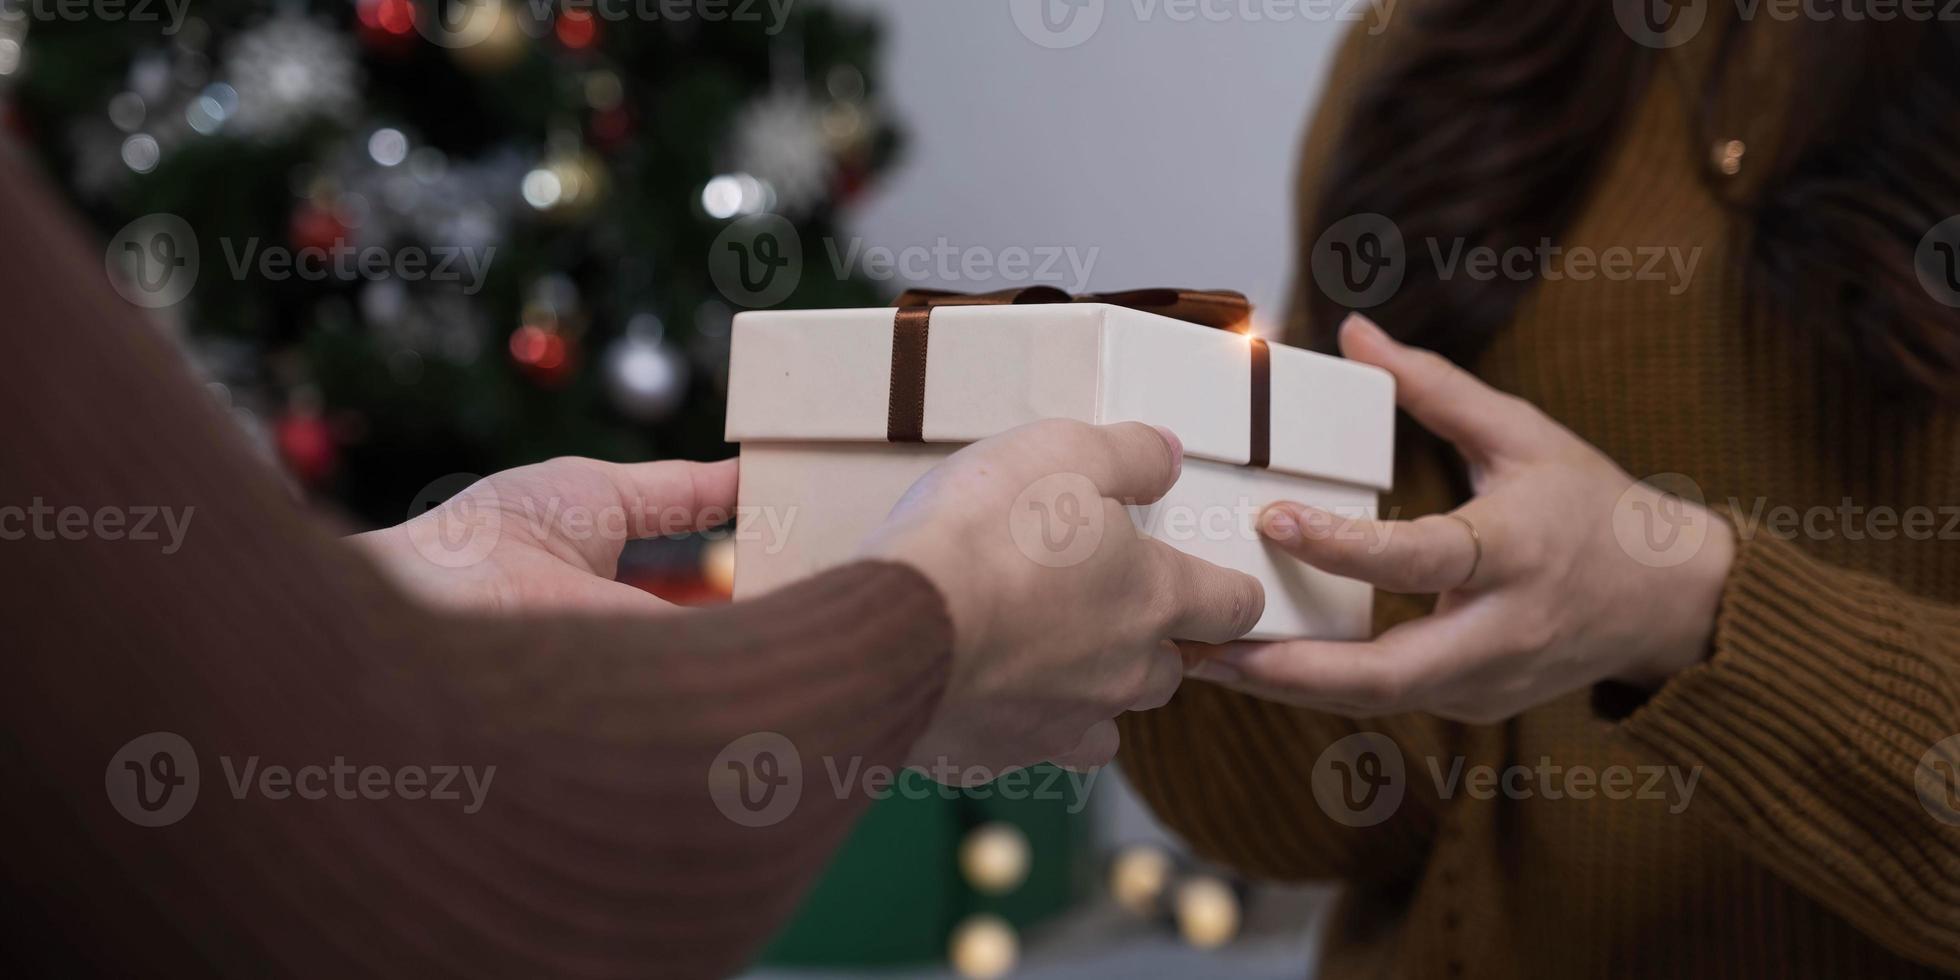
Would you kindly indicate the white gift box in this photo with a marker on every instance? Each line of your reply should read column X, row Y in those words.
column 809, row 400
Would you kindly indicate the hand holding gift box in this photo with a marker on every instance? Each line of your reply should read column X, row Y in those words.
column 839, row 412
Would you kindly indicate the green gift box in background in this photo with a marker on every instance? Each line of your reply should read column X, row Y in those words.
column 897, row 892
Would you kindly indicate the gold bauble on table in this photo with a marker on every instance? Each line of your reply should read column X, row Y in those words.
column 1207, row 912
column 983, row 946
column 995, row 858
column 1139, row 877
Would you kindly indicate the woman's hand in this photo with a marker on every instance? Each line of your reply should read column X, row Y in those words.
column 548, row 536
column 1565, row 582
column 1063, row 612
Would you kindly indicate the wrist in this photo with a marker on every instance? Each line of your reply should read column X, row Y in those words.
column 1696, row 588
column 946, row 571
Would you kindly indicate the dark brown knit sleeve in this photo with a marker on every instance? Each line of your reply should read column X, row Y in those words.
column 1826, row 726
column 373, row 788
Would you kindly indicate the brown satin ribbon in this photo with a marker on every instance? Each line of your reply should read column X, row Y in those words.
column 1261, row 454
column 1218, row 308
column 905, row 410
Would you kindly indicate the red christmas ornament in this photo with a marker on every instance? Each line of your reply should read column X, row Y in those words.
column 317, row 227
column 577, row 29
column 545, row 356
column 306, row 445
column 386, row 25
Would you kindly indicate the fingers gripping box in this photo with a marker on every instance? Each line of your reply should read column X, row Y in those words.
column 810, row 399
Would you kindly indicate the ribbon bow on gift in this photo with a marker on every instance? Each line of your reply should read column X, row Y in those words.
column 1219, row 308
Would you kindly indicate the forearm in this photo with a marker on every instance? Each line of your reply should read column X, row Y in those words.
column 583, row 837
column 285, row 663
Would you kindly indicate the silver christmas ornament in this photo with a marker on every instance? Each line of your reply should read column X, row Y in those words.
column 645, row 377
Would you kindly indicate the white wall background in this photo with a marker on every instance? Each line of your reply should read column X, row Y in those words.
column 1161, row 149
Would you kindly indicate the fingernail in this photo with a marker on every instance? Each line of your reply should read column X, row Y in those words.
column 1213, row 671
column 1177, row 447
column 1301, row 522
column 1278, row 524
column 1364, row 326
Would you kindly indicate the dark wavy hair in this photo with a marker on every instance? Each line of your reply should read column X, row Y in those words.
column 1489, row 120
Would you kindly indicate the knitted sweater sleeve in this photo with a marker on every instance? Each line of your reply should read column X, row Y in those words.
column 369, row 788
column 1826, row 724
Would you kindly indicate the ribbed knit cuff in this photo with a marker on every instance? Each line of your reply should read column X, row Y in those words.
column 1804, row 731
column 1813, row 668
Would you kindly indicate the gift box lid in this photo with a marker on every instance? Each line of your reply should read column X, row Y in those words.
column 826, row 375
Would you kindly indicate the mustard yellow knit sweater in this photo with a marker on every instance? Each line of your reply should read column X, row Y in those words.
column 1759, row 815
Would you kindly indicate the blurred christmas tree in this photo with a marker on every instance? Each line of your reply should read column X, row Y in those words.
column 542, row 183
